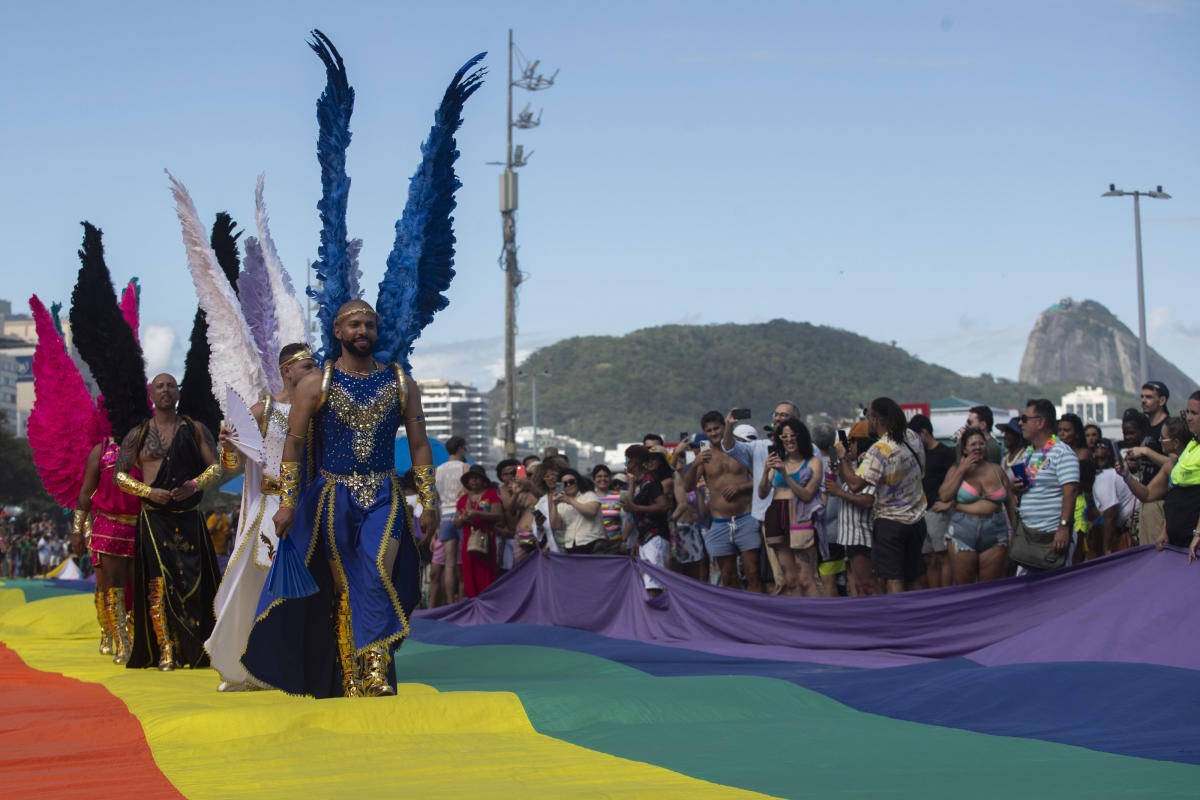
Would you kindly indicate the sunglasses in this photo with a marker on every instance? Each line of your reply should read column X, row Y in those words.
column 570, row 483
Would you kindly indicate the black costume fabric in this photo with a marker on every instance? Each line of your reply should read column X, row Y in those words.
column 173, row 543
column 105, row 340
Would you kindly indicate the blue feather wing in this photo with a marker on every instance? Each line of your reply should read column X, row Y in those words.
column 421, row 264
column 333, row 267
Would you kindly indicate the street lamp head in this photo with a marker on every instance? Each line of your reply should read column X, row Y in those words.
column 1113, row 191
column 1158, row 194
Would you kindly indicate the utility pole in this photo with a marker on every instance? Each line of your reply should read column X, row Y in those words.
column 531, row 81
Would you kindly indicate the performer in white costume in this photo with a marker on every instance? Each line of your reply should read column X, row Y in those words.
column 258, row 444
column 245, row 334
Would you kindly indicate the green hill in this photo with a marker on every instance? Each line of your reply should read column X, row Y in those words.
column 608, row 389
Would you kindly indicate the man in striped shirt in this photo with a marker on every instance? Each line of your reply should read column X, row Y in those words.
column 1051, row 484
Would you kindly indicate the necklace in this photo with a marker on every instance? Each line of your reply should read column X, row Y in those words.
column 1032, row 465
column 374, row 369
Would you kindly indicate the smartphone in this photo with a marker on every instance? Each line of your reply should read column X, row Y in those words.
column 842, row 438
column 1018, row 471
column 741, row 413
column 684, row 436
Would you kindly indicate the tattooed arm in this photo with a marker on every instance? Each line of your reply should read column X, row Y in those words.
column 131, row 457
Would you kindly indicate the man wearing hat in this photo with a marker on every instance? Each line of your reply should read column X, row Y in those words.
column 734, row 531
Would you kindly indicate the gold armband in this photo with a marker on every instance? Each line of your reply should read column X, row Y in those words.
column 289, row 483
column 423, row 477
column 79, row 522
column 229, row 459
column 208, row 477
column 132, row 486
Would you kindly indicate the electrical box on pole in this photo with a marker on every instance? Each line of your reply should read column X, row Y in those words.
column 508, row 191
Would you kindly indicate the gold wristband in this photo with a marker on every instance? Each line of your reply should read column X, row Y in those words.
column 79, row 522
column 230, row 459
column 132, row 486
column 423, row 477
column 208, row 477
column 289, row 483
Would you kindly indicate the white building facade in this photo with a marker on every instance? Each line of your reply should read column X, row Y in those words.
column 457, row 409
column 1090, row 404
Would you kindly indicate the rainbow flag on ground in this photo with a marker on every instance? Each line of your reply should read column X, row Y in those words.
column 565, row 679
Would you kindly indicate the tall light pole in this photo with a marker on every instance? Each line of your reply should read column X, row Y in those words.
column 1157, row 194
column 532, row 81
column 533, row 376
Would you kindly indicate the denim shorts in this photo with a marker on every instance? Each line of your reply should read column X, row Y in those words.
column 448, row 533
column 730, row 536
column 975, row 534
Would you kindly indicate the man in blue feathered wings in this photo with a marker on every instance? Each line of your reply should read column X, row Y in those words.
column 342, row 504
column 350, row 521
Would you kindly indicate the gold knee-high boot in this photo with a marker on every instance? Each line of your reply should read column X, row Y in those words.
column 114, row 605
column 162, row 631
column 375, row 661
column 351, row 677
column 106, row 631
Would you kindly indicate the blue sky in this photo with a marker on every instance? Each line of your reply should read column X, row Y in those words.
column 698, row 162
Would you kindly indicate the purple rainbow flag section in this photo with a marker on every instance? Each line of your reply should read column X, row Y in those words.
column 1094, row 669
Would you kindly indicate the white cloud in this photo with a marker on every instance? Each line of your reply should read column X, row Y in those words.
column 158, row 346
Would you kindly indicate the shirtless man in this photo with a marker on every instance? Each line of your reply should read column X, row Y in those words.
column 734, row 530
column 175, row 574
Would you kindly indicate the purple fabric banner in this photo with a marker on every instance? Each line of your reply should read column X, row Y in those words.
column 1132, row 606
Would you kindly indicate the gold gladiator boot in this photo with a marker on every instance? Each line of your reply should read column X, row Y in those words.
column 351, row 677
column 376, row 660
column 114, row 604
column 106, row 631
column 162, row 632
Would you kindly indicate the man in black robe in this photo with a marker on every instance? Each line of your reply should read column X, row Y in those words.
column 175, row 573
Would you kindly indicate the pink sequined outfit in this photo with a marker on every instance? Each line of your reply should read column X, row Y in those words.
column 114, row 525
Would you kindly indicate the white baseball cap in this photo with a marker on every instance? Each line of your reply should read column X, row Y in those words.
column 745, row 432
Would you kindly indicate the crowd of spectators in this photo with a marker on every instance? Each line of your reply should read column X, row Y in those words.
column 881, row 507
column 31, row 547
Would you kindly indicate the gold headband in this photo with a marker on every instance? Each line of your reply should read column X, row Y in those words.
column 356, row 310
column 298, row 356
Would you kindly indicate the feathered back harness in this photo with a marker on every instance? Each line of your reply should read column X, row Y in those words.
column 421, row 263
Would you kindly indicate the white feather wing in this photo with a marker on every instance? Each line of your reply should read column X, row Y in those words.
column 288, row 314
column 234, row 361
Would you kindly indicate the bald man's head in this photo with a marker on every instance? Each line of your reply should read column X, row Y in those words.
column 356, row 327
column 164, row 391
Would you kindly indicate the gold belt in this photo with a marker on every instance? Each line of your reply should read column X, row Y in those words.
column 363, row 486
column 121, row 519
column 271, row 486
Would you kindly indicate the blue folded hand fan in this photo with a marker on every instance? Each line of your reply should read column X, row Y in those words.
column 289, row 578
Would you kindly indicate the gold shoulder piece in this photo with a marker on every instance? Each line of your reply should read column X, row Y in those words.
column 401, row 388
column 325, row 381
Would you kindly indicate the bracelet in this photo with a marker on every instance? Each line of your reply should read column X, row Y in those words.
column 289, row 483
column 131, row 485
column 208, row 477
column 230, row 459
column 78, row 522
column 426, row 490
